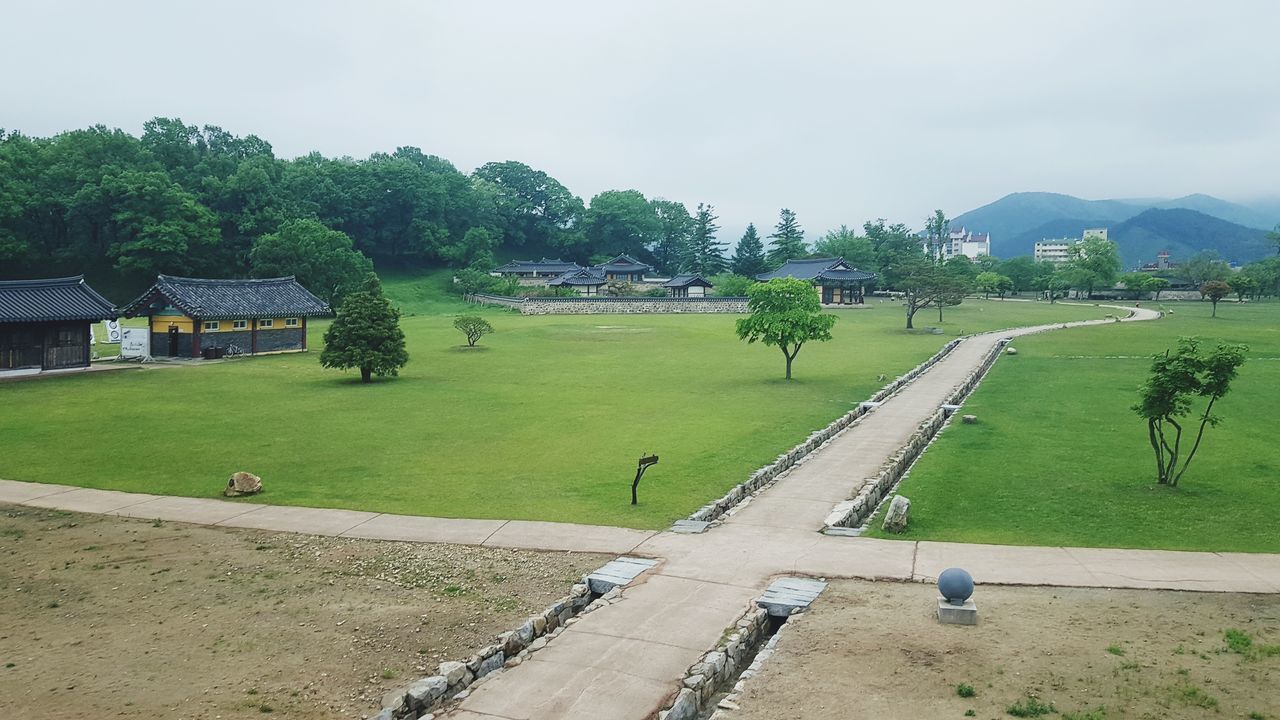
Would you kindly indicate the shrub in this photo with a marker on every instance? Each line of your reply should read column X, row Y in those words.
column 1030, row 707
column 965, row 690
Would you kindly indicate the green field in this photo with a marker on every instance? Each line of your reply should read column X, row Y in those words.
column 544, row 421
column 1058, row 458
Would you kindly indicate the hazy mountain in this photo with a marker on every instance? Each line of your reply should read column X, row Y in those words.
column 1185, row 232
column 1018, row 220
column 1015, row 214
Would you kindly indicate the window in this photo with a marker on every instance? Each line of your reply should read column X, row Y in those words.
column 291, row 322
column 211, row 326
column 266, row 323
column 239, row 324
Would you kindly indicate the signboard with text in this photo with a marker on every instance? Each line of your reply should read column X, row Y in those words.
column 135, row 342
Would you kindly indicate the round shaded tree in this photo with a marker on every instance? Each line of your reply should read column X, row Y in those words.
column 785, row 313
column 366, row 334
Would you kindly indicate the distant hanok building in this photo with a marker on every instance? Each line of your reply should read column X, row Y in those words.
column 44, row 324
column 189, row 315
column 838, row 282
column 529, row 269
column 586, row 281
column 687, row 286
column 623, row 268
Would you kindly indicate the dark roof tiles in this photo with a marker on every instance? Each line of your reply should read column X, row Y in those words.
column 686, row 281
column 231, row 299
column 817, row 269
column 52, row 300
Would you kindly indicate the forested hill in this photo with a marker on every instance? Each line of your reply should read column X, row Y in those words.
column 183, row 199
column 1018, row 220
column 1184, row 233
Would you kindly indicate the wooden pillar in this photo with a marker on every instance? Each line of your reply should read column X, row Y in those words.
column 196, row 324
column 304, row 332
column 253, row 336
column 87, row 354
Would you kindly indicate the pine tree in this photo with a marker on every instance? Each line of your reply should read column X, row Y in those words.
column 748, row 257
column 704, row 255
column 788, row 239
column 366, row 334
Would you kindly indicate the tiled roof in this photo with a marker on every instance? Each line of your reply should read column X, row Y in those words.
column 624, row 263
column 544, row 265
column 686, row 281
column 230, row 299
column 52, row 300
column 818, row 268
column 579, row 277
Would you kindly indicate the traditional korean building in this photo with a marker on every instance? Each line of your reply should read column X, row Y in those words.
column 624, row 268
column 44, row 324
column 188, row 315
column 586, row 281
column 687, row 286
column 545, row 268
column 838, row 282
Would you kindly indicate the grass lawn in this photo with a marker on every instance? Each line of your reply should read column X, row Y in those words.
column 544, row 421
column 1058, row 458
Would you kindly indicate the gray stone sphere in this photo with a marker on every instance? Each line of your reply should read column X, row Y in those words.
column 956, row 585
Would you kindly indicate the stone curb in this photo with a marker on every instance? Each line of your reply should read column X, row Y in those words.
column 767, row 475
column 455, row 679
column 713, row 672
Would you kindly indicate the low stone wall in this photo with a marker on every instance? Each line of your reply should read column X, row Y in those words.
column 614, row 305
column 454, row 679
column 852, row 513
column 769, row 473
column 722, row 665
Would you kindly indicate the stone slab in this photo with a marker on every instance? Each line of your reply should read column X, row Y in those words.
column 617, row 573
column 198, row 511
column 308, row 521
column 425, row 529
column 787, row 595
column 12, row 491
column 966, row 614
column 538, row 690
column 88, row 500
column 690, row 527
column 674, row 611
column 534, row 535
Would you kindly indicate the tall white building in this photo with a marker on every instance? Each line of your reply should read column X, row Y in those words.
column 963, row 242
column 1057, row 252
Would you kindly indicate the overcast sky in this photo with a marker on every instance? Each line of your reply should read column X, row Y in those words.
column 842, row 111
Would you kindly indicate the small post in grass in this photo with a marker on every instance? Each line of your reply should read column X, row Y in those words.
column 645, row 463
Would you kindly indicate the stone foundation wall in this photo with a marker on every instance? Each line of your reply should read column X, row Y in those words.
column 454, row 679
column 614, row 305
column 767, row 474
column 714, row 672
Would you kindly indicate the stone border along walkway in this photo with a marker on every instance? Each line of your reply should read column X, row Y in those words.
column 628, row 659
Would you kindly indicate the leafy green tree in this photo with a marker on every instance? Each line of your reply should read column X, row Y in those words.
column 845, row 243
column 622, row 221
column 731, row 285
column 705, row 255
column 535, row 208
column 1157, row 285
column 1135, row 283
column 1242, row 285
column 785, row 313
column 748, row 257
column 1051, row 280
column 989, row 282
column 898, row 252
column 676, row 225
column 1022, row 271
column 927, row 284
column 366, row 334
column 1214, row 291
column 1203, row 267
column 937, row 232
column 473, row 326
column 788, row 239
column 1266, row 273
column 1094, row 264
column 1166, row 397
column 323, row 260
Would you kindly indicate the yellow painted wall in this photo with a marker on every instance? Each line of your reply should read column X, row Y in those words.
column 160, row 323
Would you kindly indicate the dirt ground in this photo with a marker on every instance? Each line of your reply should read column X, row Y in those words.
column 875, row 650
column 114, row 618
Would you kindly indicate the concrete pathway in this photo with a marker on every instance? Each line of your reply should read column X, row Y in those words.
column 624, row 660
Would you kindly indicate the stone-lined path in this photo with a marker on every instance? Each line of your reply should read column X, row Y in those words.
column 624, row 660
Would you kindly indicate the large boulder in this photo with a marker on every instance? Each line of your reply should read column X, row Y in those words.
column 243, row 483
column 898, row 515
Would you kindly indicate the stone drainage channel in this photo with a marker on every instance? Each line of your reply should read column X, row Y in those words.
column 455, row 680
column 710, row 688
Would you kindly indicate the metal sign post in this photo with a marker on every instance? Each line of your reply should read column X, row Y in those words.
column 645, row 463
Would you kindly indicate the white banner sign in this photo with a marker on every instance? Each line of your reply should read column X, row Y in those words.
column 135, row 342
column 113, row 331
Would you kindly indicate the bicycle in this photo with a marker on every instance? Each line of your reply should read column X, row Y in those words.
column 233, row 350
